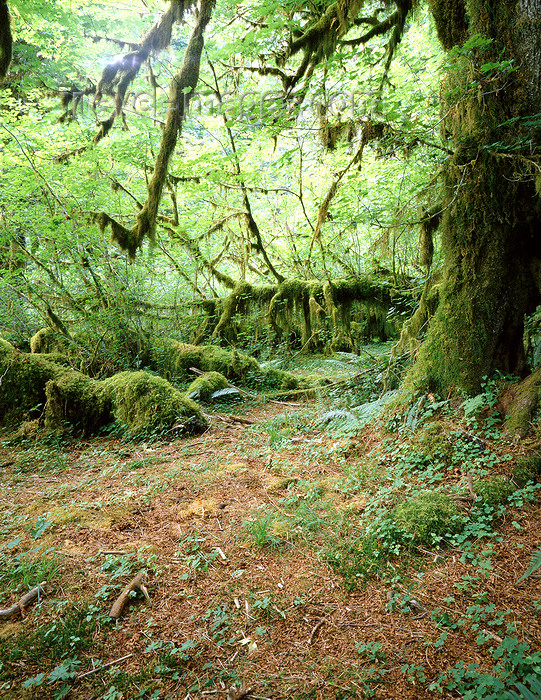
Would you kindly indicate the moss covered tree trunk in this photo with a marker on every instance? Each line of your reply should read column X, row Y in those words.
column 491, row 226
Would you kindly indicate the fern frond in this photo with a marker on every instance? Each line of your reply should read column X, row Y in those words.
column 535, row 563
column 525, row 693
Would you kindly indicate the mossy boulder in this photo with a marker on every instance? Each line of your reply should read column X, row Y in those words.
column 428, row 518
column 145, row 403
column 204, row 386
column 75, row 399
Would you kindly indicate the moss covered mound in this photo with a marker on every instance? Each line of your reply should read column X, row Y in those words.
column 428, row 518
column 494, row 491
column 145, row 403
column 175, row 359
column 81, row 402
column 204, row 386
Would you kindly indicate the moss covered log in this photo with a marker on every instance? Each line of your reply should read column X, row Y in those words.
column 34, row 387
column 175, row 361
column 143, row 403
column 78, row 402
column 23, row 380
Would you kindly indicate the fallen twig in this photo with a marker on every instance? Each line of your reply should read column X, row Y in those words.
column 100, row 668
column 120, row 602
column 315, row 631
column 24, row 602
column 473, row 495
column 240, row 695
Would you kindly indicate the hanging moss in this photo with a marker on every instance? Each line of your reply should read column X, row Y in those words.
column 414, row 328
column 236, row 302
column 430, row 220
column 122, row 236
column 144, row 403
column 450, row 20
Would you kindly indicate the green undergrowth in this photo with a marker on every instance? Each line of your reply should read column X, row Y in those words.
column 416, row 506
column 437, row 487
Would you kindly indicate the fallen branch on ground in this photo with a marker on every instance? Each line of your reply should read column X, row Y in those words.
column 120, row 602
column 100, row 668
column 24, row 602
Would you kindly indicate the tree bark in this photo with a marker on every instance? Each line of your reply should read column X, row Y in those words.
column 492, row 207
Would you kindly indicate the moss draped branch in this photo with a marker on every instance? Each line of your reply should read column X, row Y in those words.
column 118, row 75
column 181, row 89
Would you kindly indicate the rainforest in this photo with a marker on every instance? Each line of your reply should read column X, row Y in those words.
column 270, row 349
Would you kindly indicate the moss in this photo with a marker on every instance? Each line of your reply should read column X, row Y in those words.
column 428, row 518
column 526, row 469
column 204, row 386
column 139, row 401
column 74, row 398
column 450, row 20
column 144, row 403
column 412, row 330
column 435, row 444
column 177, row 358
column 521, row 405
column 46, row 340
column 236, row 302
column 494, row 491
column 24, row 377
column 276, row 378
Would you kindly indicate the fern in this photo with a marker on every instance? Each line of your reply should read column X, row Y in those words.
column 535, row 563
column 532, row 693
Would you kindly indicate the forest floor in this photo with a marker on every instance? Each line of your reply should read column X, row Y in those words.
column 236, row 530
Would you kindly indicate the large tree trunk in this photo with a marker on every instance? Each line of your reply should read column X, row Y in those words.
column 492, row 210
